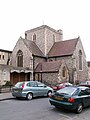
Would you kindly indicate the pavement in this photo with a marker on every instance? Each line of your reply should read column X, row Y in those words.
column 6, row 96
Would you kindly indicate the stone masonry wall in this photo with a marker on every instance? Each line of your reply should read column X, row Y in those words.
column 26, row 54
column 6, row 56
column 4, row 74
column 82, row 75
column 72, row 63
column 44, row 37
column 40, row 38
column 50, row 78
column 51, row 38
column 37, row 60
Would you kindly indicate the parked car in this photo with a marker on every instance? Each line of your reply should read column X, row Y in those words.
column 85, row 83
column 61, row 85
column 30, row 89
column 71, row 98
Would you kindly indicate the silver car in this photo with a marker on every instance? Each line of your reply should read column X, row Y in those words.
column 30, row 89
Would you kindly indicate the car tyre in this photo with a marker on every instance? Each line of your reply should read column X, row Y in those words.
column 79, row 108
column 56, row 107
column 49, row 93
column 29, row 96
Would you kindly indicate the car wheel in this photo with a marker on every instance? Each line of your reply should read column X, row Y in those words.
column 49, row 93
column 29, row 96
column 79, row 108
column 56, row 107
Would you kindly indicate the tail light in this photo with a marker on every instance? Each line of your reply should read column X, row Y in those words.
column 71, row 100
column 23, row 85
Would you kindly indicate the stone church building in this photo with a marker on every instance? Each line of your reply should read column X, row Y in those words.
column 43, row 55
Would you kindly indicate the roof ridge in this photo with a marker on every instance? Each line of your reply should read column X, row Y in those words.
column 63, row 48
column 30, row 47
column 67, row 40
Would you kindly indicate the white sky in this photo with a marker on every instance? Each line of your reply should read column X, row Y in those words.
column 17, row 16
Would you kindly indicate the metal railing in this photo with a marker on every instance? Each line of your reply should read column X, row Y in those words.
column 5, row 89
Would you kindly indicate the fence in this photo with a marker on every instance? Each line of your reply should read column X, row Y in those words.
column 5, row 89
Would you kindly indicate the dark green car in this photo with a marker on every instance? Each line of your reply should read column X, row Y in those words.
column 71, row 98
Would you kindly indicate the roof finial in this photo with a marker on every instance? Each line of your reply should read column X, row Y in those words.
column 78, row 36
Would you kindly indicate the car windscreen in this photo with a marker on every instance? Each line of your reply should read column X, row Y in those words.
column 67, row 90
column 59, row 84
column 83, row 83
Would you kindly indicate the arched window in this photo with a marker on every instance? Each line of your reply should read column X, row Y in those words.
column 34, row 37
column 25, row 35
column 3, row 57
column 20, row 58
column 80, row 60
column 64, row 72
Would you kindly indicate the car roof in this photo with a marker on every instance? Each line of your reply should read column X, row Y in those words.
column 28, row 81
column 83, row 87
column 85, row 81
column 80, row 87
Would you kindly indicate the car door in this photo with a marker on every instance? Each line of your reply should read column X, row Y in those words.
column 33, row 88
column 42, row 89
column 85, row 96
column 88, row 91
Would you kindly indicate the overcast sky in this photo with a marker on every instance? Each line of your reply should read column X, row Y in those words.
column 18, row 16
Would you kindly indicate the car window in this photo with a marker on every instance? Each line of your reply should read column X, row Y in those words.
column 32, row 84
column 84, row 92
column 85, row 83
column 88, row 90
column 19, row 84
column 40, row 84
column 82, row 83
column 88, row 83
column 59, row 84
column 76, row 92
column 28, row 84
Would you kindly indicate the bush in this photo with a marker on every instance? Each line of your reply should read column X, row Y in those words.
column 8, row 83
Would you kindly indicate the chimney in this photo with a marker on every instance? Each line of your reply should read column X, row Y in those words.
column 60, row 34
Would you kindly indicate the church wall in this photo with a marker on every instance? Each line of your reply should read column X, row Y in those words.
column 51, row 38
column 50, row 78
column 44, row 40
column 4, row 56
column 40, row 38
column 72, row 63
column 4, row 74
column 89, row 72
column 82, row 75
column 44, row 37
column 37, row 60
column 26, row 54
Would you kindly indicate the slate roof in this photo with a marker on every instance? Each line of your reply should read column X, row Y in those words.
column 33, row 47
column 2, row 50
column 63, row 48
column 14, row 69
column 44, row 26
column 52, row 66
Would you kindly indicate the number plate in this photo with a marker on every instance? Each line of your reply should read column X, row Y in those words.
column 15, row 90
column 58, row 98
